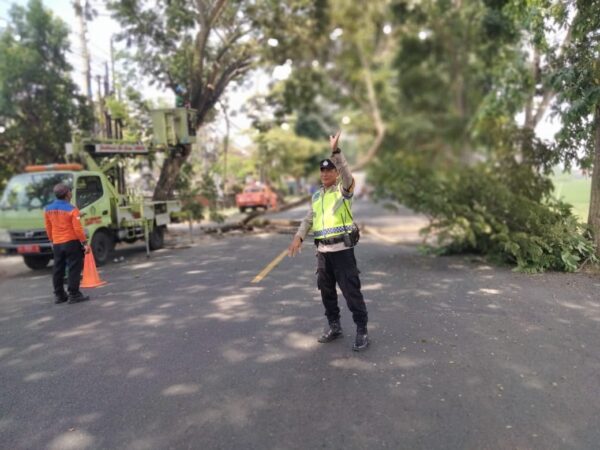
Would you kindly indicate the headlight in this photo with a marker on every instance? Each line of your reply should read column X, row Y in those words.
column 4, row 235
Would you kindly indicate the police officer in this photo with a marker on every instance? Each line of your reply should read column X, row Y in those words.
column 331, row 221
column 68, row 244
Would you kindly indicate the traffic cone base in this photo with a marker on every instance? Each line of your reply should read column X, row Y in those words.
column 91, row 279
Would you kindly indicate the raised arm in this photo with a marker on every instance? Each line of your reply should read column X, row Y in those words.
column 338, row 158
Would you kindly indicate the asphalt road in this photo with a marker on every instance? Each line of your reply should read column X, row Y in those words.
column 183, row 351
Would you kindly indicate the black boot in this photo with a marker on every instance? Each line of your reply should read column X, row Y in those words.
column 78, row 298
column 362, row 340
column 334, row 332
column 60, row 298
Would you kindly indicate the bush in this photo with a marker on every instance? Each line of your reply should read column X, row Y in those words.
column 504, row 211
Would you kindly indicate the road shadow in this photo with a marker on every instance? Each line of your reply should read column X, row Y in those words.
column 182, row 350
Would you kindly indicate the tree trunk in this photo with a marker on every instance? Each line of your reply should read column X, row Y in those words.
column 204, row 104
column 206, row 83
column 594, row 214
column 378, row 122
column 203, row 101
column 170, row 172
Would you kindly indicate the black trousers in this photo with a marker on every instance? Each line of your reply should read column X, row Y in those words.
column 341, row 267
column 69, row 254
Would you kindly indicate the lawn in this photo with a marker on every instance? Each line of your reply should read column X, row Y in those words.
column 574, row 189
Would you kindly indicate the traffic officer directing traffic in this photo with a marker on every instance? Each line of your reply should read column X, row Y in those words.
column 68, row 244
column 330, row 219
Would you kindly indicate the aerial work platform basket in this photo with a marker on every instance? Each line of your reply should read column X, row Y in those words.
column 174, row 126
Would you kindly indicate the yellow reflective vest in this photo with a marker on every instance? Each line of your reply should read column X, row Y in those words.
column 331, row 214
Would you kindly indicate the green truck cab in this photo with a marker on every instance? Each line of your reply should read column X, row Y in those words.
column 110, row 213
column 105, row 220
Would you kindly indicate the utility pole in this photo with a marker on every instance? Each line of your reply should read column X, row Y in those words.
column 106, row 81
column 101, row 117
column 99, row 86
column 115, row 85
column 80, row 13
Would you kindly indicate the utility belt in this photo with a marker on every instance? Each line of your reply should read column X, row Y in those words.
column 349, row 239
column 331, row 240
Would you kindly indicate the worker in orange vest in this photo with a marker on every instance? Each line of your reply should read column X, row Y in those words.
column 69, row 245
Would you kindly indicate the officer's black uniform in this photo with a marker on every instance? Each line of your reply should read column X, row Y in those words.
column 341, row 267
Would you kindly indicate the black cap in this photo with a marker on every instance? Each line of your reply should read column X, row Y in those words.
column 327, row 164
column 61, row 190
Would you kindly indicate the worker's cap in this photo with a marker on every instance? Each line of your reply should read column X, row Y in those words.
column 326, row 164
column 61, row 189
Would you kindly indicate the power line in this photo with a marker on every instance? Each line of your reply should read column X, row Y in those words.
column 79, row 52
column 101, row 50
column 95, row 60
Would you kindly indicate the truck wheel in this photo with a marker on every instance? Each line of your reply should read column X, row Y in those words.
column 157, row 238
column 242, row 209
column 36, row 262
column 102, row 246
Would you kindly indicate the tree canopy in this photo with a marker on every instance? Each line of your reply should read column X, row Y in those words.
column 198, row 48
column 39, row 102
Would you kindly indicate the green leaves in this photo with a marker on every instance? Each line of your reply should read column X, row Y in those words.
column 39, row 103
column 577, row 83
column 199, row 48
column 456, row 151
column 283, row 152
column 500, row 210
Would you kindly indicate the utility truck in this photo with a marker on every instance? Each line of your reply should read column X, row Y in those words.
column 110, row 211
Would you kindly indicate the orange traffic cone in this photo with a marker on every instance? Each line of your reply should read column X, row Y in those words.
column 91, row 279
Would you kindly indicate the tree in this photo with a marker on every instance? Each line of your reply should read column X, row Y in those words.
column 363, row 56
column 283, row 152
column 197, row 48
column 401, row 71
column 536, row 35
column 448, row 59
column 465, row 69
column 577, row 82
column 39, row 102
column 342, row 71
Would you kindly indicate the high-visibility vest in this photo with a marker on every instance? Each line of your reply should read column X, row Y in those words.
column 331, row 214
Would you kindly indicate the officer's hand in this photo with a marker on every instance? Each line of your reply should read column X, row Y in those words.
column 87, row 249
column 333, row 140
column 295, row 246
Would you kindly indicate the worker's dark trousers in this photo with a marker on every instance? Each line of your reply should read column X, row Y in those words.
column 69, row 254
column 341, row 267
